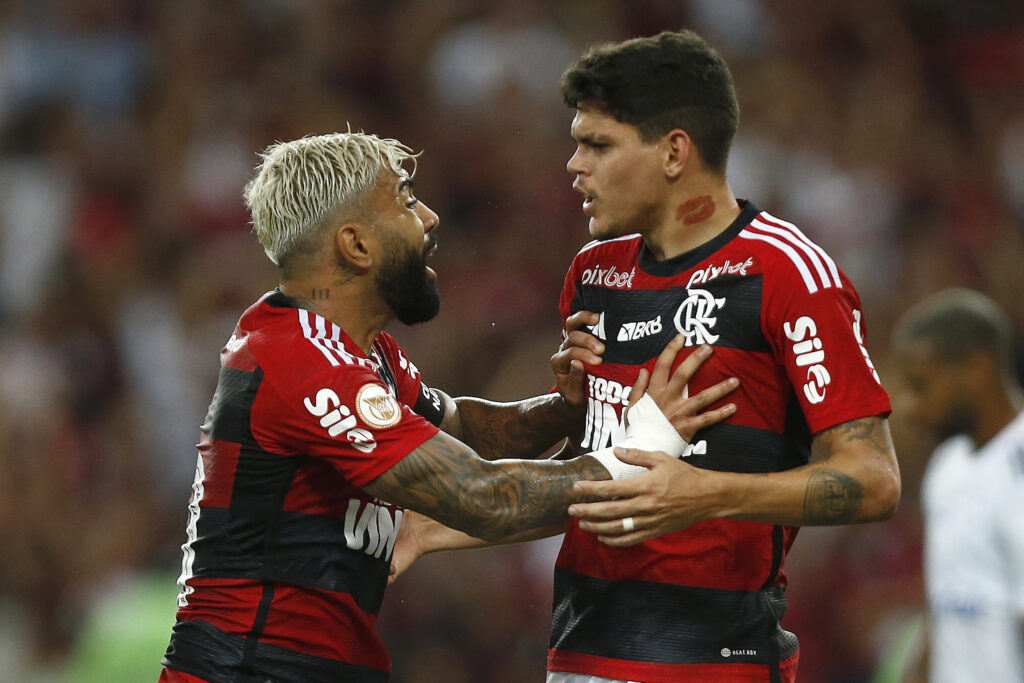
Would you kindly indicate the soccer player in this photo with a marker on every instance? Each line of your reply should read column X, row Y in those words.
column 321, row 431
column 701, row 593
column 954, row 351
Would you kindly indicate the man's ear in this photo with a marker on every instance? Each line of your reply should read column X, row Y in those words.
column 678, row 147
column 352, row 243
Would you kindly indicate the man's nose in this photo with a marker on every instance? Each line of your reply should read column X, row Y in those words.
column 430, row 219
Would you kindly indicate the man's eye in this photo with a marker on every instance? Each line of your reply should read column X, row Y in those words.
column 412, row 202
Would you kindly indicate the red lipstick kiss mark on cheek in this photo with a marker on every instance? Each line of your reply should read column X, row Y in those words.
column 695, row 210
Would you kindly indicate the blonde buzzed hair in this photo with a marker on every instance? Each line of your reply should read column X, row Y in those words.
column 300, row 184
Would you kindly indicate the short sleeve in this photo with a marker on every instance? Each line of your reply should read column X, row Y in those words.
column 345, row 415
column 819, row 338
column 412, row 390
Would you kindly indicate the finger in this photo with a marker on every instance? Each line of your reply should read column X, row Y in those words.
column 574, row 385
column 662, row 366
column 638, row 388
column 579, row 319
column 688, row 368
column 611, row 527
column 648, row 459
column 688, row 426
column 712, row 394
column 604, row 511
column 582, row 353
column 583, row 340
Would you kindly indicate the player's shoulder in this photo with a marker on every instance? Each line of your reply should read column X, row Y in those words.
column 789, row 257
column 295, row 344
column 625, row 247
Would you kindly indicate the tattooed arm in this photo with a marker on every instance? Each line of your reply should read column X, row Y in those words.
column 445, row 480
column 853, row 477
column 525, row 429
column 520, row 429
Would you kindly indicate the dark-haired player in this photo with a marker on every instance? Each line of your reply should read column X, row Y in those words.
column 700, row 592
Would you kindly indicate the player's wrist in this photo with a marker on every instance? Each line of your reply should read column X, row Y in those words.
column 650, row 430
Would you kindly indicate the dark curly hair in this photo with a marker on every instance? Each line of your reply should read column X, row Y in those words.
column 671, row 80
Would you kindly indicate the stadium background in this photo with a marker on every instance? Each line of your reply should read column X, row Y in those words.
column 892, row 131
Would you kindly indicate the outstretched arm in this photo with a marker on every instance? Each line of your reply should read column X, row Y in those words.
column 420, row 534
column 445, row 480
column 853, row 477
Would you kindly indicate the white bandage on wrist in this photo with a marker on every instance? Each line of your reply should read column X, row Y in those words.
column 648, row 430
column 649, row 425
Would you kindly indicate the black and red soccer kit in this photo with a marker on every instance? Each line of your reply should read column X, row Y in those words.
column 705, row 603
column 286, row 559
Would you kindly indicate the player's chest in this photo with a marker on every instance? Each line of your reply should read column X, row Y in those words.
column 638, row 321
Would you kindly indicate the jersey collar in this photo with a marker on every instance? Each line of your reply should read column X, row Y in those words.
column 683, row 262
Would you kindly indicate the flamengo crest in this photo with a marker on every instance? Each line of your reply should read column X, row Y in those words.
column 695, row 317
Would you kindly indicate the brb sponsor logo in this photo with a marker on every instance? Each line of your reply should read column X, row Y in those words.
column 606, row 403
column 808, row 353
column 638, row 330
column 371, row 527
column 696, row 318
column 727, row 268
column 608, row 277
column 338, row 419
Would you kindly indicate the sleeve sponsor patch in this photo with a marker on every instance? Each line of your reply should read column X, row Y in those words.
column 377, row 407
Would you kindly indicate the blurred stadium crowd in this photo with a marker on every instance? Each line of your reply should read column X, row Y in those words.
column 891, row 131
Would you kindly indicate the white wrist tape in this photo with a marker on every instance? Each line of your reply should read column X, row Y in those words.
column 648, row 430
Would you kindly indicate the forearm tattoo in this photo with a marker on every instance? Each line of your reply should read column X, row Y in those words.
column 523, row 429
column 448, row 482
column 832, row 497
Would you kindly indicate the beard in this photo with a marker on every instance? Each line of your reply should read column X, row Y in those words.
column 404, row 284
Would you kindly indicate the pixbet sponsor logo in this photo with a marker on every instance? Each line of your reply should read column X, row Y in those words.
column 638, row 330
column 808, row 353
column 727, row 268
column 607, row 277
column 338, row 419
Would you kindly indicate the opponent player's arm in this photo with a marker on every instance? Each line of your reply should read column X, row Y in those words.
column 527, row 428
column 853, row 477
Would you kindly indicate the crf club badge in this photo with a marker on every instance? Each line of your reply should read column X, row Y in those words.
column 695, row 317
column 376, row 407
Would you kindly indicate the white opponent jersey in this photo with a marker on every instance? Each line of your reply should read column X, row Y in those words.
column 974, row 558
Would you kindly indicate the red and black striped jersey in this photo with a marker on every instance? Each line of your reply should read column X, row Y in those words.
column 705, row 603
column 287, row 559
